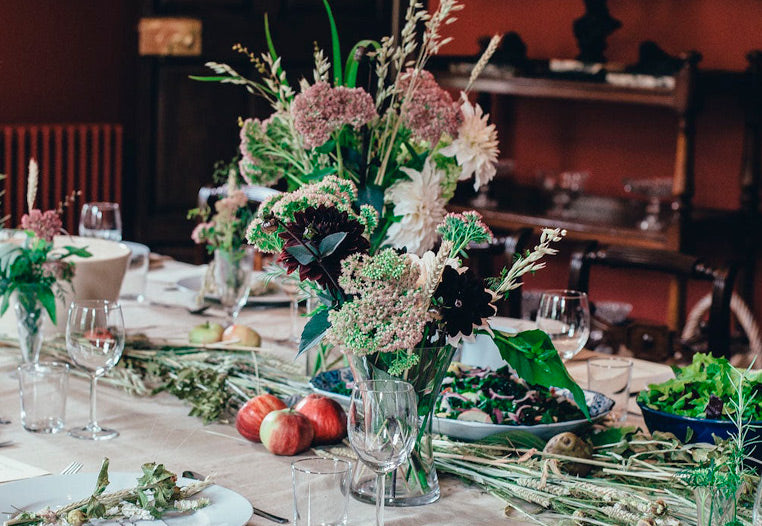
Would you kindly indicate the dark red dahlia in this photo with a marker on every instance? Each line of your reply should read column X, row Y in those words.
column 310, row 227
column 462, row 301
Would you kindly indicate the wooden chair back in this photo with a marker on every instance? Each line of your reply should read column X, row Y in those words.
column 681, row 266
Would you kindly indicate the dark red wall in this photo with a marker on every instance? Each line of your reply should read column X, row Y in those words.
column 617, row 141
column 68, row 61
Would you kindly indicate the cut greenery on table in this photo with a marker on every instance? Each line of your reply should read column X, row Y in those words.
column 155, row 493
column 705, row 389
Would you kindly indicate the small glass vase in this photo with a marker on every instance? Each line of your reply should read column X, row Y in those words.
column 415, row 482
column 232, row 279
column 29, row 316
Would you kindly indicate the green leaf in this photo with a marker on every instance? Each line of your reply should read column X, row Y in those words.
column 533, row 357
column 269, row 38
column 335, row 45
column 48, row 300
column 102, row 482
column 313, row 332
column 301, row 253
column 330, row 243
column 371, row 195
column 350, row 70
column 612, row 435
column 327, row 147
column 77, row 251
column 518, row 439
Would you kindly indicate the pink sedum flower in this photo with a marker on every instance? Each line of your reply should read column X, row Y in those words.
column 45, row 225
column 199, row 234
column 428, row 111
column 321, row 109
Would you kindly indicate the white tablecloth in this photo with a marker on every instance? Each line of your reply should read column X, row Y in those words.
column 158, row 428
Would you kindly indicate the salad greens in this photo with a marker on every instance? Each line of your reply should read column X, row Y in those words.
column 501, row 397
column 705, row 389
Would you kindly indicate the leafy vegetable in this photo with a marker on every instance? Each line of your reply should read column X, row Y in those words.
column 705, row 389
column 503, row 396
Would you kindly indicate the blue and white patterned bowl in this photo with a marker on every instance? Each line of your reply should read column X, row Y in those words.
column 599, row 404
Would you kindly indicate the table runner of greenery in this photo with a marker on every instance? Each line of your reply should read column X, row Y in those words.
column 635, row 479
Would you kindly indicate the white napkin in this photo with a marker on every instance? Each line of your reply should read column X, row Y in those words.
column 11, row 469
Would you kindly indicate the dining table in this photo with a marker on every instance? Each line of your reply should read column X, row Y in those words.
column 159, row 429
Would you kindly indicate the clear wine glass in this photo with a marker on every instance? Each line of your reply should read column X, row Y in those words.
column 289, row 284
column 382, row 426
column 102, row 220
column 565, row 316
column 95, row 341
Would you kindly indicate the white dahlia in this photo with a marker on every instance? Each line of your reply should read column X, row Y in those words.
column 420, row 204
column 475, row 149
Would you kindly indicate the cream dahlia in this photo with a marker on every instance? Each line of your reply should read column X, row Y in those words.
column 475, row 149
column 420, row 204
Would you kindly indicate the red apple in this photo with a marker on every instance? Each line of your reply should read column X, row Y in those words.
column 286, row 432
column 327, row 417
column 251, row 414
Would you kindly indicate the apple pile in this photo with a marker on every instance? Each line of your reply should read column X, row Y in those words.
column 211, row 332
column 316, row 419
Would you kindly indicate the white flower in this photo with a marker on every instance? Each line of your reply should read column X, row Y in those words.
column 475, row 149
column 420, row 204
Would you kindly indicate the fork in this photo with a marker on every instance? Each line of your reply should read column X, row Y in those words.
column 71, row 469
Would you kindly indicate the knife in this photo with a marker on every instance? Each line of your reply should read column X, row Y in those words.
column 262, row 513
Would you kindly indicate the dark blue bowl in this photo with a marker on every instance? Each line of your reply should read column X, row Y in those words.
column 703, row 430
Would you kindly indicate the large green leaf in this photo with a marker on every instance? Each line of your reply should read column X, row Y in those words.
column 48, row 300
column 533, row 357
column 334, row 44
column 313, row 332
column 350, row 70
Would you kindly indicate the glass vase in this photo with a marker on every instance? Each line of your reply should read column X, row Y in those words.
column 29, row 315
column 232, row 279
column 415, row 482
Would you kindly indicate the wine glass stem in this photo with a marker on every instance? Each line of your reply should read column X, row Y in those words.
column 294, row 318
column 93, row 384
column 380, row 491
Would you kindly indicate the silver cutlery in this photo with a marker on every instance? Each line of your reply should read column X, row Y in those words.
column 262, row 513
column 198, row 311
column 71, row 469
column 6, row 443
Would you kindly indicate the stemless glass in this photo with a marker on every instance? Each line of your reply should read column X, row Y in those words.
column 102, row 220
column 289, row 284
column 565, row 316
column 382, row 426
column 95, row 341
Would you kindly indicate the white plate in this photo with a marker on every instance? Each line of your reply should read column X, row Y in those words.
column 193, row 284
column 226, row 508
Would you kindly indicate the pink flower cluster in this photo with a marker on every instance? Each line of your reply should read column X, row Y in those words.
column 320, row 110
column 200, row 232
column 45, row 225
column 228, row 206
column 428, row 111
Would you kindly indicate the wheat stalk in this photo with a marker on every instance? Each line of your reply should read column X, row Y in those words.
column 32, row 182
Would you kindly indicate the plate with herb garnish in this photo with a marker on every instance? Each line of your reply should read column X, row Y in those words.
column 478, row 402
column 154, row 497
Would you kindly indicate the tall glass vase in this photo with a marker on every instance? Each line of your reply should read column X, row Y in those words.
column 232, row 279
column 29, row 315
column 415, row 482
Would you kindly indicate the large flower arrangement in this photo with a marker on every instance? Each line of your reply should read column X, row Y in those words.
column 369, row 171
